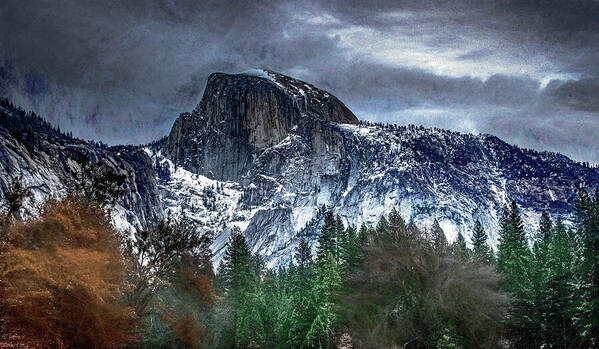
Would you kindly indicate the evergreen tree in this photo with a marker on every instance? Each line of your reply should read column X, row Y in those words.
column 348, row 247
column 412, row 229
column 545, row 226
column 327, row 283
column 437, row 235
column 559, row 230
column 397, row 229
column 586, row 212
column 276, row 305
column 512, row 252
column 303, row 254
column 561, row 299
column 341, row 240
column 237, row 271
column 303, row 302
column 513, row 260
column 460, row 247
column 240, row 282
column 362, row 234
column 540, row 274
column 259, row 264
column 480, row 246
column 327, row 240
column 552, row 297
column 382, row 226
column 359, row 243
column 396, row 222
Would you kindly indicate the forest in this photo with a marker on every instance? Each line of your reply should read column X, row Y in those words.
column 69, row 280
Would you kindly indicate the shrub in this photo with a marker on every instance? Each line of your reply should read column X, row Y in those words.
column 61, row 278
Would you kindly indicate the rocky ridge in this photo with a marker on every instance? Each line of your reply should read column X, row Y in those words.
column 50, row 161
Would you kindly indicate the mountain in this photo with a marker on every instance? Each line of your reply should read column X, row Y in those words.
column 264, row 152
column 242, row 116
column 276, row 149
column 50, row 162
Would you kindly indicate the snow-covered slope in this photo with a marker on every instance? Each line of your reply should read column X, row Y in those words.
column 50, row 161
column 301, row 149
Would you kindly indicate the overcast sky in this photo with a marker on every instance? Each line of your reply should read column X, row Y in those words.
column 122, row 71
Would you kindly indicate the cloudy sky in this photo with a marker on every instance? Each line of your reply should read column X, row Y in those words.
column 122, row 71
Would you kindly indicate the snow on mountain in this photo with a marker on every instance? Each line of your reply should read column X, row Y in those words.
column 264, row 152
column 49, row 162
column 290, row 148
column 214, row 206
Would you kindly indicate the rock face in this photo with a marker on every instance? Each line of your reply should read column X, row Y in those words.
column 242, row 115
column 50, row 161
column 264, row 152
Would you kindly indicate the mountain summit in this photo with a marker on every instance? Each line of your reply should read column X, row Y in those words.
column 241, row 115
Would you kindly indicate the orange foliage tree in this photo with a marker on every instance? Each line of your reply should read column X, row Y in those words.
column 189, row 302
column 62, row 276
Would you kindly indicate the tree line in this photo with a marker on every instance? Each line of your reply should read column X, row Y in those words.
column 396, row 285
column 69, row 280
column 553, row 281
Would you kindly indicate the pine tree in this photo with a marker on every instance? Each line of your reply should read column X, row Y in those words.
column 237, row 271
column 341, row 239
column 512, row 252
column 382, row 226
column 302, row 312
column 397, row 225
column 540, row 274
column 545, row 227
column 303, row 254
column 276, row 288
column 586, row 213
column 328, row 282
column 240, row 282
column 513, row 260
column 360, row 242
column 395, row 220
column 460, row 247
column 480, row 246
column 362, row 234
column 561, row 298
column 437, row 235
column 348, row 249
column 559, row 230
column 327, row 239
column 412, row 229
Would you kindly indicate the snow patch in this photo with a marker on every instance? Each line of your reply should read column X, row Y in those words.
column 261, row 73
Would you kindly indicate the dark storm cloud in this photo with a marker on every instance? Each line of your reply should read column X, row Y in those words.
column 121, row 71
column 565, row 32
column 582, row 95
column 411, row 88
